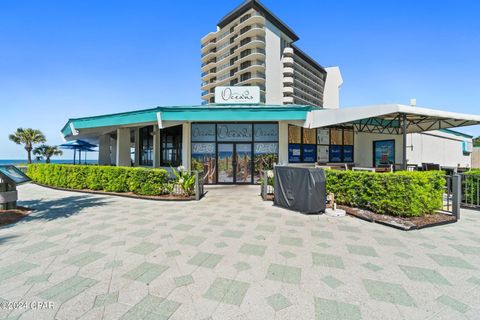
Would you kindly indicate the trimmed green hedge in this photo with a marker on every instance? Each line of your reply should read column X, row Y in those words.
column 140, row 181
column 407, row 194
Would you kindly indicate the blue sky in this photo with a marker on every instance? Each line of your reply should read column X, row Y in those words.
column 65, row 59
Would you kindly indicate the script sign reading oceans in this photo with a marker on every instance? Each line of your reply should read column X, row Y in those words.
column 237, row 95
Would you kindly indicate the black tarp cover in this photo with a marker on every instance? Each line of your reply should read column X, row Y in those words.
column 300, row 189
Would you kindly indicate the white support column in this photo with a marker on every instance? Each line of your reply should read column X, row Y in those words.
column 282, row 142
column 123, row 147
column 186, row 146
column 137, row 147
column 156, row 147
column 104, row 150
column 113, row 152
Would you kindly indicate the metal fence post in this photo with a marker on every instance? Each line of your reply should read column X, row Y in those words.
column 264, row 185
column 457, row 195
column 3, row 188
column 197, row 187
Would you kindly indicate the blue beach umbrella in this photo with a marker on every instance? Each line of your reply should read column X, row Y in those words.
column 79, row 145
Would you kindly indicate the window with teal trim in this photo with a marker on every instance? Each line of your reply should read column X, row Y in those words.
column 146, row 146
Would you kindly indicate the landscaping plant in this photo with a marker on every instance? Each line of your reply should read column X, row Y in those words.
column 185, row 180
column 139, row 181
column 407, row 194
column 46, row 152
column 28, row 137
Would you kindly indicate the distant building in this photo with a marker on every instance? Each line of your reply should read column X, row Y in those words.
column 266, row 102
column 252, row 47
column 445, row 147
column 476, row 158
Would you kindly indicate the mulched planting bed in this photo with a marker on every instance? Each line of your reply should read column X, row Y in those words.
column 165, row 197
column 13, row 215
column 403, row 223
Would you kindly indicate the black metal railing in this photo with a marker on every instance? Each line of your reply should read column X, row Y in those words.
column 452, row 195
column 470, row 190
column 199, row 185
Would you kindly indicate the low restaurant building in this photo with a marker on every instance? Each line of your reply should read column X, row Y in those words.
column 235, row 140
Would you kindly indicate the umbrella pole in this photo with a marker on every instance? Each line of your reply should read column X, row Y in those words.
column 74, row 154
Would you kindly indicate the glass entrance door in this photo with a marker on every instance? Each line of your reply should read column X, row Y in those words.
column 235, row 163
column 226, row 171
column 243, row 163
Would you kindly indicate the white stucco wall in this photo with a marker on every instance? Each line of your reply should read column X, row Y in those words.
column 113, row 151
column 273, row 65
column 104, row 158
column 186, row 145
column 283, row 142
column 437, row 147
column 123, row 147
column 331, row 93
column 476, row 158
column 434, row 147
column 156, row 147
column 363, row 149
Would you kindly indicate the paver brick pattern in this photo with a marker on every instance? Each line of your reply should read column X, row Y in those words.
column 230, row 256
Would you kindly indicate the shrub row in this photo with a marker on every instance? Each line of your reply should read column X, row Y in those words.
column 407, row 194
column 140, row 181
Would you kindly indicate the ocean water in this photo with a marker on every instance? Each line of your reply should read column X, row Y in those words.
column 18, row 161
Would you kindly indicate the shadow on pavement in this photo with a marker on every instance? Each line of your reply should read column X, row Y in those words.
column 60, row 208
column 5, row 239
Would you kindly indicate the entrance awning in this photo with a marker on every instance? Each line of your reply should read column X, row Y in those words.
column 390, row 118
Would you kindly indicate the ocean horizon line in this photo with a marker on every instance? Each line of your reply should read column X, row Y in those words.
column 25, row 161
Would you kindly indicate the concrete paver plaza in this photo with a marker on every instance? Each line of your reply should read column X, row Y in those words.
column 229, row 256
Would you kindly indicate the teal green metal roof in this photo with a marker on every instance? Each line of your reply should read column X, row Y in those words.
column 460, row 134
column 193, row 113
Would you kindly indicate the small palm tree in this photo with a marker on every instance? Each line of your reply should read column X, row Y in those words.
column 28, row 137
column 46, row 152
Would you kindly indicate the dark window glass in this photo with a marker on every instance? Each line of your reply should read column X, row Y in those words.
column 322, row 145
column 245, row 76
column 245, row 17
column 171, row 146
column 245, row 41
column 245, row 64
column 245, row 53
column 146, row 146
